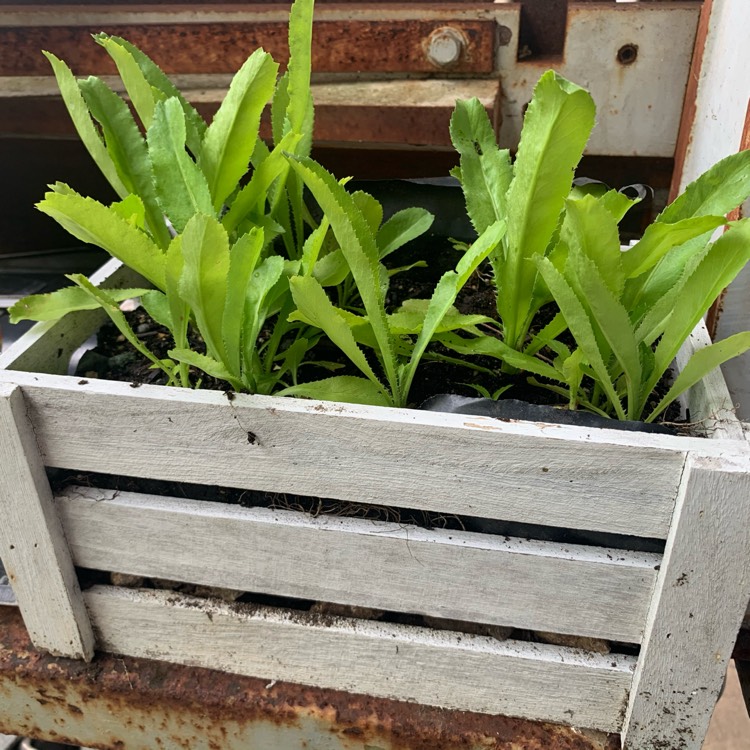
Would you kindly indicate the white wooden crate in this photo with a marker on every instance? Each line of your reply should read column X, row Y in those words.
column 683, row 607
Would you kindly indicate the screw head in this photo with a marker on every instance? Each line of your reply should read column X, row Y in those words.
column 445, row 46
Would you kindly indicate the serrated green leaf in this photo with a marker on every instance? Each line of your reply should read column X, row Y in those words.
column 127, row 148
column 260, row 295
column 617, row 203
column 131, row 209
column 724, row 260
column 660, row 238
column 312, row 247
column 613, row 321
column 445, row 294
column 485, row 170
column 370, row 208
column 55, row 305
column 409, row 318
column 203, row 283
column 81, row 117
column 207, row 364
column 715, row 193
column 580, row 326
column 243, row 259
column 250, row 201
column 196, row 126
column 404, row 226
column 182, row 190
column 556, row 128
column 360, row 250
column 90, row 221
column 230, row 139
column 139, row 89
column 346, row 388
column 300, row 65
column 590, row 231
column 489, row 346
column 700, row 364
column 314, row 305
column 109, row 304
column 156, row 304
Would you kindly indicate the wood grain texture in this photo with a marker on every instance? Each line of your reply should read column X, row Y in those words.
column 33, row 548
column 546, row 474
column 457, row 575
column 444, row 669
column 48, row 346
column 698, row 606
column 709, row 400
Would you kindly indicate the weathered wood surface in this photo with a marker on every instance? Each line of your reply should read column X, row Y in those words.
column 546, row 474
column 698, row 606
column 450, row 670
column 457, row 575
column 366, row 40
column 48, row 346
column 33, row 548
column 709, row 400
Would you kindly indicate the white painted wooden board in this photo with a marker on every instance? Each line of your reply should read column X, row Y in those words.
column 33, row 548
column 537, row 473
column 457, row 671
column 457, row 575
column 698, row 606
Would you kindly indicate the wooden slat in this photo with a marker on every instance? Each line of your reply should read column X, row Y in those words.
column 444, row 669
column 343, row 41
column 449, row 574
column 697, row 610
column 33, row 548
column 546, row 474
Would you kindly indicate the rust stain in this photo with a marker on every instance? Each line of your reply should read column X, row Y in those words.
column 156, row 704
column 338, row 46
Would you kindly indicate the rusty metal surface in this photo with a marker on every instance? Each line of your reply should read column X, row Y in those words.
column 137, row 704
column 344, row 45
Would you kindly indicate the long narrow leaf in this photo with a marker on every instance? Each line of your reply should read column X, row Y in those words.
column 243, row 259
column 203, row 284
column 127, row 147
column 360, row 250
column 81, row 117
column 315, row 306
column 182, row 190
column 556, row 128
column 230, row 139
column 581, row 328
column 90, row 221
column 446, row 292
column 404, row 226
column 196, row 126
column 346, row 388
column 486, row 170
column 700, row 364
column 54, row 305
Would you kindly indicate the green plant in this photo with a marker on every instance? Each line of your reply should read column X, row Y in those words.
column 629, row 312
column 185, row 221
column 389, row 337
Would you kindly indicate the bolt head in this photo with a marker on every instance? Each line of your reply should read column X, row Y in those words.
column 445, row 47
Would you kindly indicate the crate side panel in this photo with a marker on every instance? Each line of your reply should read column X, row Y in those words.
column 455, row 671
column 389, row 566
column 533, row 473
